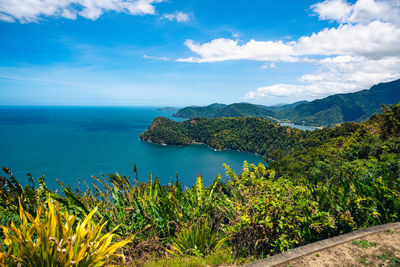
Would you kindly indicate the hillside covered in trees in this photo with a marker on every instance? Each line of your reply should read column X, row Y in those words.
column 329, row 111
column 221, row 110
column 251, row 134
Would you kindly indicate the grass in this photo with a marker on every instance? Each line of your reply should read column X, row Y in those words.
column 364, row 244
column 395, row 261
column 365, row 262
column 221, row 256
column 389, row 258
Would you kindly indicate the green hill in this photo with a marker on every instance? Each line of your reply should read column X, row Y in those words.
column 245, row 110
column 221, row 110
column 328, row 111
column 209, row 111
column 251, row 134
column 335, row 109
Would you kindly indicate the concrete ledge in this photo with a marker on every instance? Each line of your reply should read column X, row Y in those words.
column 320, row 245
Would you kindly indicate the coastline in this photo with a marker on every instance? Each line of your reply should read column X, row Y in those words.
column 203, row 144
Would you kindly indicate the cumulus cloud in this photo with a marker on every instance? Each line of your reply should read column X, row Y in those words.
column 364, row 49
column 374, row 40
column 276, row 90
column 363, row 11
column 226, row 49
column 178, row 16
column 338, row 10
column 32, row 10
column 335, row 75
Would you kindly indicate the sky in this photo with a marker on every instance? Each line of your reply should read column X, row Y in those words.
column 187, row 52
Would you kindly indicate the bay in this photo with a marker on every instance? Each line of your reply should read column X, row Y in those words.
column 301, row 127
column 72, row 143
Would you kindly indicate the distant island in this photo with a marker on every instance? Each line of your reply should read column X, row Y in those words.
column 327, row 112
column 168, row 109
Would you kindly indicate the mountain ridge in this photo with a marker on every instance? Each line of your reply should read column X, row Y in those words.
column 328, row 111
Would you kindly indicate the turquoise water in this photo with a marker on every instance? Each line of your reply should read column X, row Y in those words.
column 68, row 143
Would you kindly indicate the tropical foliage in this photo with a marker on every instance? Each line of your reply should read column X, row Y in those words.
column 52, row 241
column 199, row 240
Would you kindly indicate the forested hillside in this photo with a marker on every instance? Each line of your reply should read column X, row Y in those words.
column 339, row 108
column 329, row 111
column 221, row 110
column 210, row 111
column 251, row 134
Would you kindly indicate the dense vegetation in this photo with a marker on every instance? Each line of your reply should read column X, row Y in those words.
column 210, row 111
column 250, row 134
column 221, row 110
column 330, row 182
column 339, row 108
column 332, row 110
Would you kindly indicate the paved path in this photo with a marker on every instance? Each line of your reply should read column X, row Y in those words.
column 320, row 245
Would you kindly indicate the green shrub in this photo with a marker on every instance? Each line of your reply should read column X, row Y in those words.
column 199, row 240
column 52, row 240
column 272, row 215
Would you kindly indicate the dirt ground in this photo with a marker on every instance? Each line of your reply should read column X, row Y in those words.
column 380, row 249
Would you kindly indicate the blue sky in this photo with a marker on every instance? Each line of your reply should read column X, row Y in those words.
column 154, row 52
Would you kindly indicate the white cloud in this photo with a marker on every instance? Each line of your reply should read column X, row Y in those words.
column 32, row 10
column 226, row 49
column 363, row 11
column 335, row 75
column 178, row 16
column 374, row 40
column 276, row 90
column 269, row 65
column 338, row 10
column 156, row 58
column 363, row 50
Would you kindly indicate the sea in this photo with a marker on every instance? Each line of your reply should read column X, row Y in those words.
column 75, row 143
